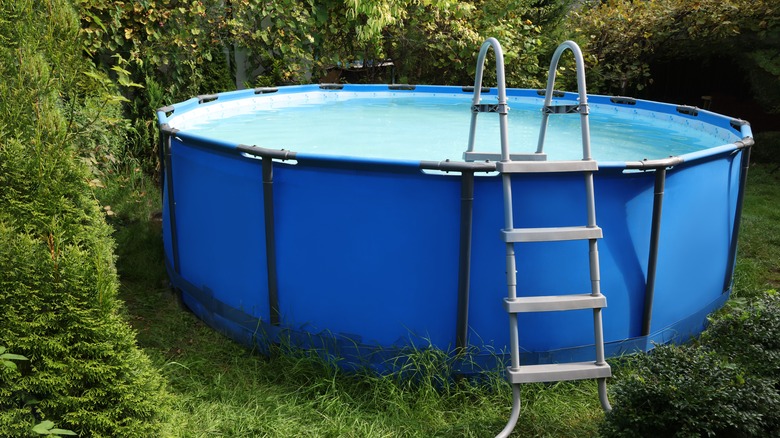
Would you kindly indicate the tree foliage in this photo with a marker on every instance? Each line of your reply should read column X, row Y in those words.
column 172, row 38
column 440, row 45
column 161, row 51
column 623, row 37
column 296, row 40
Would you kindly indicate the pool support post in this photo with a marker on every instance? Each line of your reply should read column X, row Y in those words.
column 467, row 170
column 655, row 234
column 270, row 238
column 660, row 167
column 168, row 166
column 652, row 258
column 165, row 130
column 464, row 263
column 746, row 145
column 266, row 156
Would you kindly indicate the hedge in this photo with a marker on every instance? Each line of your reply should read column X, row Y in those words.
column 58, row 284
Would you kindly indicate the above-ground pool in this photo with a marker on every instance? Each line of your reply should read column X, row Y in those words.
column 344, row 218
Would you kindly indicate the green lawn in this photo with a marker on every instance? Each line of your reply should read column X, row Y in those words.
column 223, row 389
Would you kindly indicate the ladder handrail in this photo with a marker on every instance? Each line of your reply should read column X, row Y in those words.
column 582, row 92
column 582, row 109
column 502, row 105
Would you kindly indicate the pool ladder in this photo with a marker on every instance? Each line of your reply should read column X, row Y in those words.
column 509, row 164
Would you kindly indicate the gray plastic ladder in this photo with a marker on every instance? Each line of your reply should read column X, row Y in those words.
column 508, row 164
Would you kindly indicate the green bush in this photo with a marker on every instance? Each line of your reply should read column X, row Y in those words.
column 691, row 392
column 58, row 283
column 726, row 385
column 439, row 45
column 622, row 38
column 767, row 148
column 59, row 307
column 747, row 333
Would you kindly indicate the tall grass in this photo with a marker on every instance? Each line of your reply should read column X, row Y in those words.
column 223, row 389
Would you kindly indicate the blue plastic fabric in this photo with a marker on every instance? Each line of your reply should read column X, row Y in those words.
column 367, row 252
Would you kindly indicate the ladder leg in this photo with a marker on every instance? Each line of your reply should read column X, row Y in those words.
column 515, row 415
column 514, row 343
column 603, row 397
column 598, row 327
column 598, row 332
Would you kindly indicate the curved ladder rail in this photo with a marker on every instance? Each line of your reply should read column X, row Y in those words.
column 502, row 109
column 509, row 164
column 582, row 107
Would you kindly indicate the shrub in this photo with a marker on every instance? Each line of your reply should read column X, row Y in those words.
column 767, row 149
column 439, row 45
column 747, row 334
column 691, row 392
column 59, row 307
column 58, row 283
column 622, row 38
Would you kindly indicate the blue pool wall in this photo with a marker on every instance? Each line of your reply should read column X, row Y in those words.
column 367, row 250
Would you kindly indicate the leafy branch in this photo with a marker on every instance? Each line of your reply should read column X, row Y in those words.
column 7, row 359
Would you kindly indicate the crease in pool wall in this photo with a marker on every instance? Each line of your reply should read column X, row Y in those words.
column 393, row 283
column 220, row 222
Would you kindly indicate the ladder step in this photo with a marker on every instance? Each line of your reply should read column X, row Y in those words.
column 553, row 234
column 554, row 303
column 547, row 166
column 558, row 372
column 496, row 156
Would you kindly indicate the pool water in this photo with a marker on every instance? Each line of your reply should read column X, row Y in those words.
column 411, row 127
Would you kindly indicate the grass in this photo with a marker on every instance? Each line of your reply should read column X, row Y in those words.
column 222, row 389
column 758, row 265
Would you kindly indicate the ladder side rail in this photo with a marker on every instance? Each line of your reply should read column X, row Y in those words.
column 598, row 328
column 581, row 89
column 511, row 271
column 583, row 97
column 477, row 96
column 478, row 90
column 514, row 416
column 583, row 109
column 502, row 102
column 548, row 95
